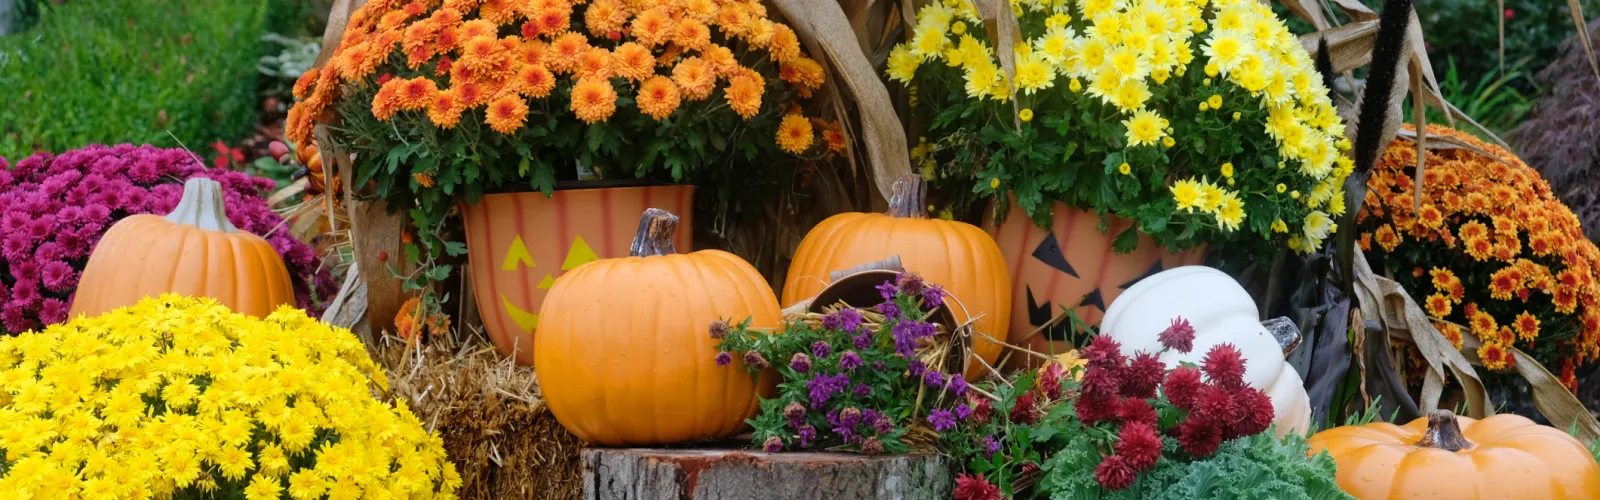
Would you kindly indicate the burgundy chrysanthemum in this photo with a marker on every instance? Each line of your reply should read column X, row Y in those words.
column 1132, row 410
column 1198, row 437
column 1143, row 374
column 871, row 446
column 970, row 487
column 1183, row 386
column 1224, row 365
column 1179, row 336
column 1115, row 473
column 1255, row 411
column 1050, row 381
column 1140, row 443
column 1094, row 407
column 1101, row 380
column 1023, row 412
column 981, row 408
column 1216, row 404
column 1104, row 351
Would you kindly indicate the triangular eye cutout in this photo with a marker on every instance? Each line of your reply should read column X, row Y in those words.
column 1094, row 299
column 1154, row 268
column 1049, row 252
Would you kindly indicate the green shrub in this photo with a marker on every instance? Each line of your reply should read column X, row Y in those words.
column 130, row 71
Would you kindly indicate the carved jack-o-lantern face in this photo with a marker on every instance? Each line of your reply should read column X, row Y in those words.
column 1071, row 264
column 516, row 241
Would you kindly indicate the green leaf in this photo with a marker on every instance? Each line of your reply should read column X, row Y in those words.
column 522, row 167
column 455, row 248
column 1127, row 240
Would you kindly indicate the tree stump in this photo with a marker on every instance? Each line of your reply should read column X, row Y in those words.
column 650, row 474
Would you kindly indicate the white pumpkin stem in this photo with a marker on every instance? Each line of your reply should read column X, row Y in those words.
column 907, row 196
column 202, row 206
column 656, row 229
column 1444, row 432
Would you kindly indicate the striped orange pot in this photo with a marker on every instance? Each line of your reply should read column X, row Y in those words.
column 1070, row 264
column 519, row 243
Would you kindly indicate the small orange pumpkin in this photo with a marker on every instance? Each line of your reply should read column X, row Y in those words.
column 1444, row 456
column 955, row 255
column 192, row 251
column 624, row 354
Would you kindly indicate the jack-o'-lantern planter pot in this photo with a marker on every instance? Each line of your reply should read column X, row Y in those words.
column 1071, row 264
column 519, row 243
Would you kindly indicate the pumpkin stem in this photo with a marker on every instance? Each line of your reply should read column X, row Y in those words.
column 202, row 206
column 907, row 196
column 656, row 228
column 1443, row 432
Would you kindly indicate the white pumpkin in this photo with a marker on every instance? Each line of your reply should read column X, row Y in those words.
column 1221, row 311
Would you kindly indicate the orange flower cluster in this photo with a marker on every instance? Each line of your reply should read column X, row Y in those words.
column 1503, row 257
column 461, row 55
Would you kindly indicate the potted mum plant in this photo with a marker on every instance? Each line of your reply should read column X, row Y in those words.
column 1124, row 139
column 539, row 120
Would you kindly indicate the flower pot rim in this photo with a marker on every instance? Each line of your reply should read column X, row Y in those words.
column 590, row 184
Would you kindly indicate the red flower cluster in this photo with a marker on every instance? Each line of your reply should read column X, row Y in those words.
column 1117, row 391
column 969, row 487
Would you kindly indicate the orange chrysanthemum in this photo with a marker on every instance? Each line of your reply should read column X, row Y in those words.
column 303, row 84
column 481, row 54
column 1483, row 324
column 604, row 17
column 1387, row 238
column 471, row 94
column 692, row 34
column 553, row 21
column 1504, row 336
column 699, row 10
column 391, row 20
column 1480, row 249
column 805, row 73
column 658, row 97
column 447, row 39
column 1441, row 277
column 695, row 77
column 414, row 9
column 721, row 60
column 758, row 32
column 732, row 18
column 593, row 100
column 384, row 103
column 595, row 63
column 1504, row 283
column 497, row 11
column 565, row 51
column 1430, row 217
column 355, row 63
column 506, row 114
column 784, row 46
column 445, row 110
column 479, row 28
column 418, row 44
column 633, row 61
column 532, row 52
column 1565, row 300
column 744, row 95
column 297, row 126
column 833, row 134
column 535, row 81
column 1494, row 356
column 653, row 27
column 445, row 18
column 1527, row 326
column 1451, row 333
column 415, row 93
column 1438, row 305
column 795, row 134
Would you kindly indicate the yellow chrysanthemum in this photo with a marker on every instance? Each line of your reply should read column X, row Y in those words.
column 1189, row 195
column 1144, row 128
column 1230, row 212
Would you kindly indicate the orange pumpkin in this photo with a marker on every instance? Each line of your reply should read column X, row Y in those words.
column 192, row 251
column 1444, row 456
column 519, row 243
column 1071, row 264
column 955, row 255
column 624, row 354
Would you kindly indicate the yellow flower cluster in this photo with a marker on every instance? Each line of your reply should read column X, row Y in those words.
column 1123, row 52
column 178, row 394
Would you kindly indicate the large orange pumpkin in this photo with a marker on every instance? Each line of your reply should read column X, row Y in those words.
column 1444, row 456
column 192, row 251
column 624, row 354
column 1071, row 264
column 955, row 255
column 519, row 243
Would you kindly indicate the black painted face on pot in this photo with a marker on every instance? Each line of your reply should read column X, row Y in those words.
column 1041, row 312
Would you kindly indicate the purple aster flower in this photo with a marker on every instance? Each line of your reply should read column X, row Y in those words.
column 723, row 359
column 942, row 420
column 862, row 341
column 772, row 445
column 963, row 411
column 849, row 320
column 933, row 297
column 917, row 368
column 862, row 390
column 881, row 424
column 795, row 413
column 905, row 338
column 823, row 387
column 991, row 444
column 850, row 417
column 911, row 283
column 755, row 359
column 889, row 310
column 879, row 366
column 844, row 433
column 849, row 361
column 933, row 379
column 887, row 290
column 821, row 349
column 958, row 385
column 800, row 363
column 807, row 433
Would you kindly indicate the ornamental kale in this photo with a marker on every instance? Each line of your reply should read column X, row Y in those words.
column 826, row 399
column 55, row 208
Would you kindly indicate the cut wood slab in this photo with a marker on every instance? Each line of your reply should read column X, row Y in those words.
column 650, row 474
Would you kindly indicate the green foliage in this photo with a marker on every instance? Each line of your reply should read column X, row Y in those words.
column 1465, row 31
column 130, row 71
column 1253, row 467
column 1497, row 100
